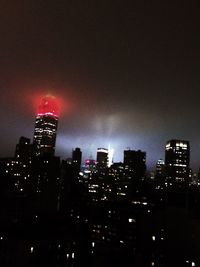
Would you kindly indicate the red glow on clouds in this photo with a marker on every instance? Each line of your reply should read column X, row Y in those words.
column 63, row 101
column 49, row 105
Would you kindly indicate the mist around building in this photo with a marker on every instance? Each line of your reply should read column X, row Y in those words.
column 98, row 212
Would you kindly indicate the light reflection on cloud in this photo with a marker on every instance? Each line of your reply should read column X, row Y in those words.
column 118, row 131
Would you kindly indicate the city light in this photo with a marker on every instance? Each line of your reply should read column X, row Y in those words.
column 117, row 202
column 48, row 105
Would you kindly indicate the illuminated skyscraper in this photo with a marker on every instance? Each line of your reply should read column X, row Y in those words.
column 46, row 126
column 177, row 160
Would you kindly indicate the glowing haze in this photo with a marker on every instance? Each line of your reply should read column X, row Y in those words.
column 125, row 74
column 48, row 106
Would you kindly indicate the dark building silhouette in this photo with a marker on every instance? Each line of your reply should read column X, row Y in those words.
column 177, row 160
column 45, row 176
column 135, row 163
column 76, row 158
column 46, row 126
column 19, row 166
column 102, row 158
column 24, row 149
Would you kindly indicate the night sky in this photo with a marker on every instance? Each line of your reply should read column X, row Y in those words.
column 127, row 73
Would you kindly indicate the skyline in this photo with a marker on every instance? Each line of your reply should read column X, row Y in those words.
column 127, row 74
column 47, row 117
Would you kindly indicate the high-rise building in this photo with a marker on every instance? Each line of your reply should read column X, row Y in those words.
column 177, row 161
column 46, row 126
column 76, row 158
column 160, row 167
column 135, row 163
column 160, row 172
column 102, row 158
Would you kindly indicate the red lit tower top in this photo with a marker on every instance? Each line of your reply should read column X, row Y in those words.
column 48, row 106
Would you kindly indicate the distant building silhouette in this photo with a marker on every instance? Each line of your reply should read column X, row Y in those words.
column 135, row 162
column 24, row 149
column 45, row 175
column 102, row 158
column 76, row 158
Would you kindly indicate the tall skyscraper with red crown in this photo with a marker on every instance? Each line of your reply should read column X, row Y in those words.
column 46, row 124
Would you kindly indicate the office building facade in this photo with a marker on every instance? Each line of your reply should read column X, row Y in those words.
column 46, row 124
column 177, row 161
